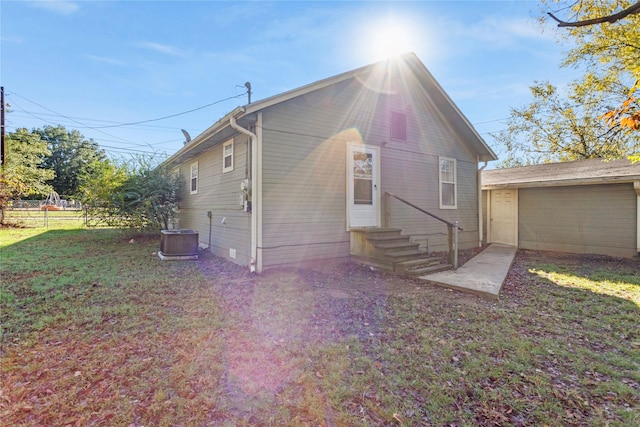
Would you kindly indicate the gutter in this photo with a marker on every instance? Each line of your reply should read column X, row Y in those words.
column 254, row 189
column 217, row 126
column 480, row 219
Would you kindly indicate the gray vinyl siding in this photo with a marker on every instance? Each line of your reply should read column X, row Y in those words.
column 218, row 192
column 415, row 179
column 303, row 182
column 598, row 219
column 410, row 170
column 304, row 171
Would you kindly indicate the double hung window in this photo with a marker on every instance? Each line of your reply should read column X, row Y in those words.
column 227, row 156
column 448, row 183
column 193, row 184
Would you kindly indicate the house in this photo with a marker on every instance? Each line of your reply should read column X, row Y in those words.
column 586, row 206
column 289, row 179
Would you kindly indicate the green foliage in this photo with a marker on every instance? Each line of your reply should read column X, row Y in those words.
column 149, row 197
column 137, row 194
column 97, row 189
column 611, row 48
column 22, row 175
column 71, row 157
column 570, row 123
column 555, row 127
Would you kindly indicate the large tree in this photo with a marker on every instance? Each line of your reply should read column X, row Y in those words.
column 569, row 123
column 558, row 127
column 22, row 174
column 72, row 157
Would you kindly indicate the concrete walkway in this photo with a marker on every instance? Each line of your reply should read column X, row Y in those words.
column 482, row 275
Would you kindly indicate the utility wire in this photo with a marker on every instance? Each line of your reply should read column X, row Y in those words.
column 169, row 116
column 66, row 117
column 98, row 128
column 154, row 128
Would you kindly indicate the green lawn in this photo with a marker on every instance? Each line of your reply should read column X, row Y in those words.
column 35, row 218
column 96, row 330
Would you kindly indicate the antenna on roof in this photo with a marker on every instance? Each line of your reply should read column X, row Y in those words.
column 248, row 86
column 187, row 137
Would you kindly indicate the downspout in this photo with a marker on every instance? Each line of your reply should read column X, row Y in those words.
column 480, row 219
column 254, row 188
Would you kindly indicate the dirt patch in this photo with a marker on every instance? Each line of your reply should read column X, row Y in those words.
column 339, row 280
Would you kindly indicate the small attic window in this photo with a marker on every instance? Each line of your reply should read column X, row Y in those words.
column 398, row 126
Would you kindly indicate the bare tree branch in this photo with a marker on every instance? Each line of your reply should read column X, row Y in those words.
column 635, row 8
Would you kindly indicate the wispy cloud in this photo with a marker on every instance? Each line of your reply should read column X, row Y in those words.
column 498, row 33
column 11, row 39
column 105, row 60
column 55, row 6
column 161, row 48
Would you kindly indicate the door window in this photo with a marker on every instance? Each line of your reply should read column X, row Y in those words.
column 362, row 178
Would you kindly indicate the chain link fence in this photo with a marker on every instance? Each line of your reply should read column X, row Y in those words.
column 38, row 204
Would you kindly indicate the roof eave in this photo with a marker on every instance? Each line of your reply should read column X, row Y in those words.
column 562, row 182
column 479, row 142
column 179, row 156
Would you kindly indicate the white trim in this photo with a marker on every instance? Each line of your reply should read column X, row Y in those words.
column 256, row 177
column 490, row 217
column 191, row 178
column 455, row 182
column 480, row 202
column 409, row 63
column 226, row 168
column 256, row 208
column 376, row 182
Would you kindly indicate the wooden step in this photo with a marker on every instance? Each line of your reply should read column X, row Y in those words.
column 429, row 270
column 405, row 255
column 386, row 237
column 418, row 263
column 389, row 250
column 400, row 245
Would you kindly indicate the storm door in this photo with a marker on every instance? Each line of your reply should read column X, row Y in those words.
column 363, row 196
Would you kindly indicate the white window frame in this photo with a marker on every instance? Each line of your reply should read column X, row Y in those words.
column 442, row 181
column 193, row 178
column 225, row 168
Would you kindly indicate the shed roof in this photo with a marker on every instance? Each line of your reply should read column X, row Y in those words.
column 579, row 172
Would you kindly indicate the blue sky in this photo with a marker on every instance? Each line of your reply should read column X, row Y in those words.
column 96, row 66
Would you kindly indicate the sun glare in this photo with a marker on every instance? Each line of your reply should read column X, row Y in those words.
column 389, row 38
column 390, row 41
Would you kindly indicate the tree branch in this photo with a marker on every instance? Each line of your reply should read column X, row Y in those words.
column 635, row 8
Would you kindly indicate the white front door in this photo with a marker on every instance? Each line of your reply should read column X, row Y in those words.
column 363, row 196
column 503, row 217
